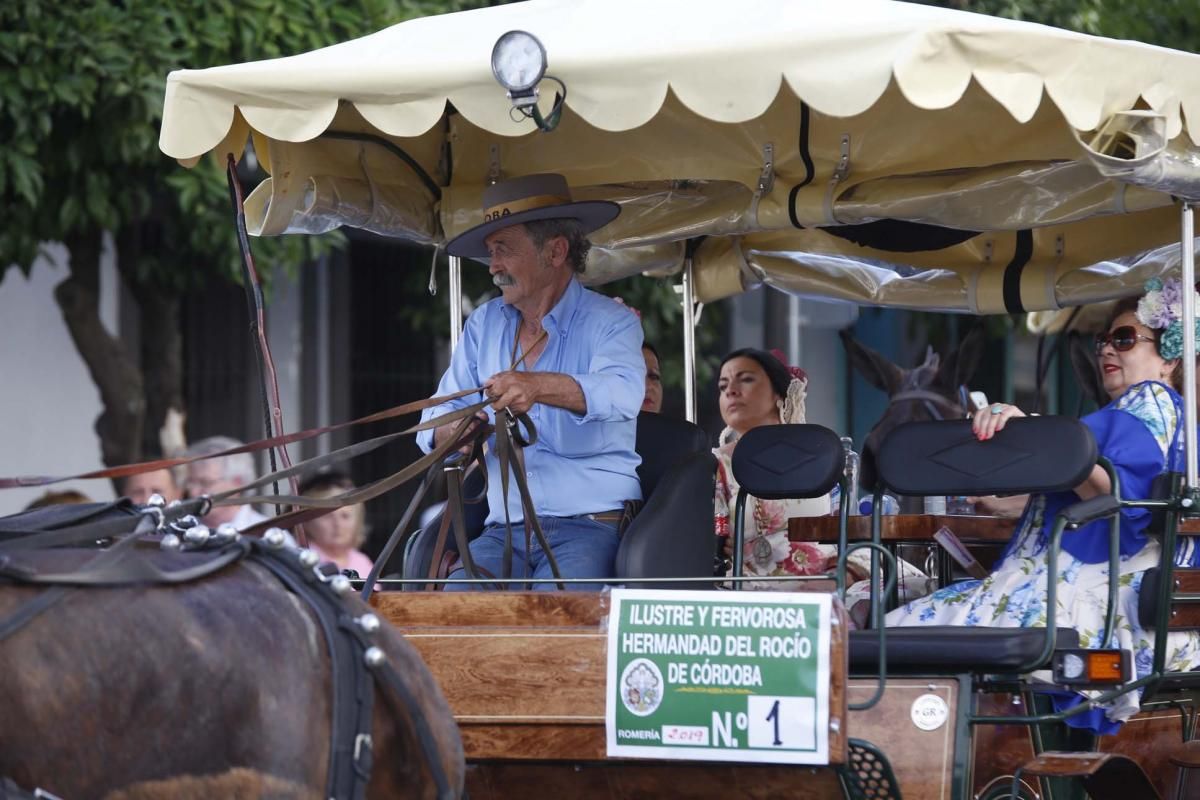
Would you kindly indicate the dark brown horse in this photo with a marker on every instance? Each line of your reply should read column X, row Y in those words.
column 219, row 687
column 928, row 391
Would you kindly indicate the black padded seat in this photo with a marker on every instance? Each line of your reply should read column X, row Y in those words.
column 662, row 442
column 941, row 648
column 1031, row 454
column 418, row 551
column 673, row 535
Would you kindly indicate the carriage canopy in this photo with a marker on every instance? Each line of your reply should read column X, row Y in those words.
column 875, row 151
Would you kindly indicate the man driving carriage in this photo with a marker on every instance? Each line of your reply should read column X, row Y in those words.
column 568, row 358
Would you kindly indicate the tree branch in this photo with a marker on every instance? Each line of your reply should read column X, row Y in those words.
column 115, row 374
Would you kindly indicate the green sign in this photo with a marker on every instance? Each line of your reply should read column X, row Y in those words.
column 719, row 676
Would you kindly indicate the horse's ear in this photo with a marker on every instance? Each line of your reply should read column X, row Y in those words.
column 960, row 365
column 879, row 372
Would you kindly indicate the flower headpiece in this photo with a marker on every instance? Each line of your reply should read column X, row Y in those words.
column 795, row 372
column 1161, row 308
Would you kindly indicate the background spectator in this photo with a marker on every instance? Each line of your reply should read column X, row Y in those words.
column 138, row 488
column 337, row 536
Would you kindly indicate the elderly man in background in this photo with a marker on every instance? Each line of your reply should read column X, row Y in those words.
column 216, row 475
column 139, row 488
column 582, row 380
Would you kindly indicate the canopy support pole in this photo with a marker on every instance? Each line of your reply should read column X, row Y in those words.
column 1187, row 225
column 455, row 292
column 689, row 342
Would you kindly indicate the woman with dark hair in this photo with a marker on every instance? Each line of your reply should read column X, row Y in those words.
column 1140, row 433
column 756, row 388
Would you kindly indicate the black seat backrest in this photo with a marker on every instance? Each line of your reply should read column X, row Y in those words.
column 1031, row 454
column 663, row 442
column 780, row 462
column 672, row 536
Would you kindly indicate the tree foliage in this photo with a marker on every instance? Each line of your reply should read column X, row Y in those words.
column 81, row 117
column 1168, row 23
column 80, row 109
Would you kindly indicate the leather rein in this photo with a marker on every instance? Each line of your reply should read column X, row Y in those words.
column 349, row 639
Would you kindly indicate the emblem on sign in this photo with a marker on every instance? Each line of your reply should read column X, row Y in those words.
column 641, row 687
column 929, row 712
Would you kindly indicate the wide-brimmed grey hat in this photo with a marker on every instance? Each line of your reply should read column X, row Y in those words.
column 525, row 199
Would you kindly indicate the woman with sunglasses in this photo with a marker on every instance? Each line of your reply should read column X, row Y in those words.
column 1140, row 432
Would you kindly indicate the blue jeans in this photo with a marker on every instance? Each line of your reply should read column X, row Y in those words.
column 583, row 548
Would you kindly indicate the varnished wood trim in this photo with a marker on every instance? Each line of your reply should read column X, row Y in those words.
column 902, row 527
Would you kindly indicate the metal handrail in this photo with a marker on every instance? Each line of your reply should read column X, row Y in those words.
column 880, row 630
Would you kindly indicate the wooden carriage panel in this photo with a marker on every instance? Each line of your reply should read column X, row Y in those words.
column 1147, row 738
column 1187, row 581
column 923, row 761
column 524, row 672
column 1184, row 617
column 920, row 527
column 627, row 780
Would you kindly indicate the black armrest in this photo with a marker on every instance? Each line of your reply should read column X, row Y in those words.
column 1099, row 507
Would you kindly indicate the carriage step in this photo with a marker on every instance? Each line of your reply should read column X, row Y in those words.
column 1105, row 776
column 1186, row 754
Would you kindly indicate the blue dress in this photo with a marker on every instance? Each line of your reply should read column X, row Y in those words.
column 1140, row 433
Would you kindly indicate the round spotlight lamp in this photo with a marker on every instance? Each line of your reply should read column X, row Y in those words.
column 1073, row 667
column 519, row 62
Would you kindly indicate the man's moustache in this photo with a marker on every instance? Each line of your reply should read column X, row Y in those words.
column 501, row 279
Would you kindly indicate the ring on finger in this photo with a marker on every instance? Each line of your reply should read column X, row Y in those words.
column 998, row 408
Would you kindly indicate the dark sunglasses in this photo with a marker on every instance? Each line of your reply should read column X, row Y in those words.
column 1123, row 339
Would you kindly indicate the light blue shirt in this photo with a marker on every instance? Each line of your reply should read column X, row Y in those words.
column 579, row 464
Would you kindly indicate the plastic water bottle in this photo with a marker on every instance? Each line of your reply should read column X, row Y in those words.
column 851, row 474
column 889, row 505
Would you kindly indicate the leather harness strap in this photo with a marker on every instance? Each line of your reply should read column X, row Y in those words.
column 508, row 453
column 126, row 470
column 931, row 400
column 348, row 640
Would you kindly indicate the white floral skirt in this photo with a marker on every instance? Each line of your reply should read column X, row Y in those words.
column 774, row 555
column 1014, row 596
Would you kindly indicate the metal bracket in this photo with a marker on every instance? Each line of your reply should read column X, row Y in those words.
column 493, row 175
column 766, row 178
column 361, row 741
column 433, row 284
column 842, row 170
column 840, row 173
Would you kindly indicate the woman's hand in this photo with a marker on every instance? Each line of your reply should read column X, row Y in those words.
column 1000, row 506
column 992, row 419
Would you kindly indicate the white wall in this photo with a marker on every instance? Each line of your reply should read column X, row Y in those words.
column 48, row 403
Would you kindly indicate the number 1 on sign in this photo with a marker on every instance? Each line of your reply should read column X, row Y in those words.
column 774, row 717
column 787, row 723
